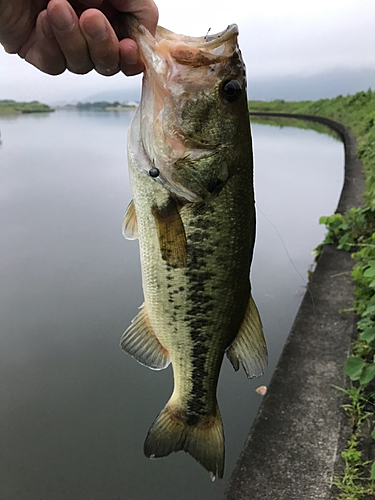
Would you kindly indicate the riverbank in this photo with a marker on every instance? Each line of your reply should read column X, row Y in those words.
column 357, row 112
column 293, row 449
column 354, row 231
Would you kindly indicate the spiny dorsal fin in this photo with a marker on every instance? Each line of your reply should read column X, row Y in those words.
column 171, row 233
column 249, row 347
column 130, row 224
column 140, row 341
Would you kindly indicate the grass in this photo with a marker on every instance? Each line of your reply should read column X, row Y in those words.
column 296, row 123
column 353, row 231
column 8, row 107
column 357, row 112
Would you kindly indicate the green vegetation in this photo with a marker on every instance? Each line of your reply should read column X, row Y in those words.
column 357, row 112
column 103, row 106
column 12, row 107
column 353, row 231
column 296, row 123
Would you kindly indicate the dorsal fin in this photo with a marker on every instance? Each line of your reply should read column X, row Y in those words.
column 140, row 341
column 171, row 233
column 249, row 347
column 130, row 223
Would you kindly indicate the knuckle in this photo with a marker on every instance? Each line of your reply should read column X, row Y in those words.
column 107, row 71
column 80, row 69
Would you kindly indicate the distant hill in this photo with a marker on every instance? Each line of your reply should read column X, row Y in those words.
column 329, row 84
column 310, row 87
column 127, row 95
column 123, row 96
column 338, row 81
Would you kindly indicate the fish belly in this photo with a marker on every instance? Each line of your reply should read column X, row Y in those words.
column 196, row 311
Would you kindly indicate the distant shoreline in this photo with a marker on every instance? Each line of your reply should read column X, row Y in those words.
column 103, row 106
column 9, row 107
column 73, row 107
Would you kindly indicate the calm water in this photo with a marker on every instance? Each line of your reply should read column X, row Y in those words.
column 75, row 408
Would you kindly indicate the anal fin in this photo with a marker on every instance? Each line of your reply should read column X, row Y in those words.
column 130, row 224
column 140, row 341
column 249, row 347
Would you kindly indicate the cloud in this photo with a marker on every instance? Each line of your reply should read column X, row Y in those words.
column 21, row 81
column 278, row 39
column 307, row 45
column 325, row 84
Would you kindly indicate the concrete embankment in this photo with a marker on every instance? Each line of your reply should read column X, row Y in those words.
column 293, row 449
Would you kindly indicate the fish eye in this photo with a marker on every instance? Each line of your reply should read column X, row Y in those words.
column 231, row 90
column 154, row 172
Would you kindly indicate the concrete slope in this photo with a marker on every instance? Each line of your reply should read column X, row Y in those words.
column 293, row 448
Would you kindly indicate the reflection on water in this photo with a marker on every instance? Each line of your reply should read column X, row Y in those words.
column 75, row 408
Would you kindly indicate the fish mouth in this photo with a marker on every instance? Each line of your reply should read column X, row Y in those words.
column 160, row 52
column 208, row 42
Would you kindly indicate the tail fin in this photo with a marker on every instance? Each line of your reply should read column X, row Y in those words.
column 204, row 441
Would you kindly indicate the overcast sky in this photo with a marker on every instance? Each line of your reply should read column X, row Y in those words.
column 293, row 39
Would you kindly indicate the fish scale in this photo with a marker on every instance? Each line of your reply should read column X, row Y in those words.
column 195, row 221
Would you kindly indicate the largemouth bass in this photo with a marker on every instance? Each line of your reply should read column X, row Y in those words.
column 191, row 173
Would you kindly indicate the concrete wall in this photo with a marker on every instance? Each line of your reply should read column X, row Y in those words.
column 293, row 449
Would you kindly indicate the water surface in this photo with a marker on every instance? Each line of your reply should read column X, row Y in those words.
column 75, row 408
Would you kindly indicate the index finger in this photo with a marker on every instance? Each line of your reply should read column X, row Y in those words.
column 144, row 10
column 91, row 3
column 102, row 42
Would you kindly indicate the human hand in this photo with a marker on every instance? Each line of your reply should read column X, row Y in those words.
column 55, row 35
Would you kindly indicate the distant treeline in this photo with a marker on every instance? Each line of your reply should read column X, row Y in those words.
column 9, row 107
column 101, row 105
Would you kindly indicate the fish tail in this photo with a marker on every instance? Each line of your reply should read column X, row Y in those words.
column 203, row 440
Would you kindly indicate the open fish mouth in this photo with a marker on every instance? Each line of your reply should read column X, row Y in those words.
column 205, row 41
column 167, row 47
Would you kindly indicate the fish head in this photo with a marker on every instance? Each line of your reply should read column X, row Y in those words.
column 193, row 110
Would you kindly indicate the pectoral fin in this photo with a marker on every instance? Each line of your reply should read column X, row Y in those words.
column 130, row 224
column 171, row 233
column 249, row 347
column 140, row 341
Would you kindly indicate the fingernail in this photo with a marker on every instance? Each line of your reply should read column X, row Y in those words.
column 62, row 19
column 97, row 29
